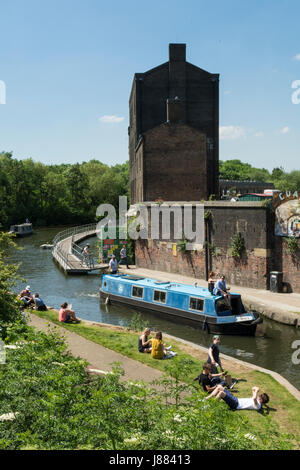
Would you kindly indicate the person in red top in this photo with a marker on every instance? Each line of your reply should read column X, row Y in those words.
column 67, row 315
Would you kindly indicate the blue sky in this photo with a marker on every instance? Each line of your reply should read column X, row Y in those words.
column 69, row 64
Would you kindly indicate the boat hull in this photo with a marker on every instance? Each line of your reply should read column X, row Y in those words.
column 22, row 235
column 207, row 322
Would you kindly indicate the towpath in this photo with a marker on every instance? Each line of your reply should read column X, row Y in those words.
column 98, row 356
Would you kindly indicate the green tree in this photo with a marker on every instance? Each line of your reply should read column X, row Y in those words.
column 9, row 306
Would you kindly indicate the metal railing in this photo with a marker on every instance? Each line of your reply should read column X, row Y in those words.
column 85, row 259
column 74, row 250
column 72, row 231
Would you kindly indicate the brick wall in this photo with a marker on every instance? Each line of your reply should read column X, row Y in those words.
column 251, row 220
column 174, row 163
column 288, row 264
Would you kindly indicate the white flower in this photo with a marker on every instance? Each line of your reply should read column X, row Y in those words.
column 179, row 418
column 8, row 416
column 134, row 439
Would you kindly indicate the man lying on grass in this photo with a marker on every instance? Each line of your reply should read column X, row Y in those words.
column 253, row 403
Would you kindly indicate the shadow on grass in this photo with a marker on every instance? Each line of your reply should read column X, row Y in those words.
column 265, row 410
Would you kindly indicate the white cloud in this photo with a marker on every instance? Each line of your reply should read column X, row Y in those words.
column 259, row 134
column 231, row 132
column 227, row 92
column 285, row 130
column 296, row 57
column 111, row 119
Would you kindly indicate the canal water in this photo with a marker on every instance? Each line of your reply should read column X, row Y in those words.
column 272, row 350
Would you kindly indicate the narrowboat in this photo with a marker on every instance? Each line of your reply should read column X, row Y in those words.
column 189, row 302
column 21, row 230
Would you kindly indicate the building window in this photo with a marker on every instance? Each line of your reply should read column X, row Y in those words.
column 159, row 296
column 196, row 304
column 137, row 292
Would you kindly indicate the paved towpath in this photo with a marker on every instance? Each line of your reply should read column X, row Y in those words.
column 98, row 356
column 284, row 308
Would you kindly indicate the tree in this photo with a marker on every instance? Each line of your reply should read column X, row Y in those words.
column 9, row 306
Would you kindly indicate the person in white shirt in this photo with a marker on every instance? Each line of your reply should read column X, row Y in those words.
column 86, row 254
column 113, row 264
column 252, row 403
column 124, row 259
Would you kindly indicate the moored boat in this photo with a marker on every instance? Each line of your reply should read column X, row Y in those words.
column 182, row 301
column 21, row 230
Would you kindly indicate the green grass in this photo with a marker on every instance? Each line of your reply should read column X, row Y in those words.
column 283, row 410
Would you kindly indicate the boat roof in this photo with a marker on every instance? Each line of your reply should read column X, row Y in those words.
column 202, row 292
column 23, row 225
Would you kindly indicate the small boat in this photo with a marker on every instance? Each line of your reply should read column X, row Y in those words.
column 189, row 302
column 21, row 230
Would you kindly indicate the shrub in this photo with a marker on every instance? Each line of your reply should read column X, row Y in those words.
column 237, row 246
column 57, row 405
column 291, row 246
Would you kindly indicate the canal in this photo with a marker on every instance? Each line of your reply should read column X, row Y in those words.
column 272, row 350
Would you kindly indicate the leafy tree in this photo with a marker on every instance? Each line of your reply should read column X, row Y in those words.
column 9, row 307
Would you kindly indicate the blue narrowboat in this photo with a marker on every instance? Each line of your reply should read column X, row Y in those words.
column 181, row 300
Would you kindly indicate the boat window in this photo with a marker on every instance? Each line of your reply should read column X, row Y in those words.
column 137, row 291
column 105, row 284
column 159, row 296
column 221, row 306
column 196, row 304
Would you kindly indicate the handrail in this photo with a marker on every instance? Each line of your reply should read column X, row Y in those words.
column 88, row 260
column 73, row 231
column 75, row 249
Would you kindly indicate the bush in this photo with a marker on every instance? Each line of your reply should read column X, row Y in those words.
column 57, row 405
column 237, row 246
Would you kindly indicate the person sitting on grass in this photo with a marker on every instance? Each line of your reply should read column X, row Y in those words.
column 38, row 302
column 145, row 343
column 159, row 351
column 67, row 315
column 253, row 403
column 26, row 297
column 208, row 380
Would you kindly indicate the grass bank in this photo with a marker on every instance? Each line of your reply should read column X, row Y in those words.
column 283, row 409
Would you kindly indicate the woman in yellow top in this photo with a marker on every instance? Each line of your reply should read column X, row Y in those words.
column 158, row 347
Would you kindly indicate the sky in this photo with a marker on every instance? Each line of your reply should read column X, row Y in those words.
column 66, row 70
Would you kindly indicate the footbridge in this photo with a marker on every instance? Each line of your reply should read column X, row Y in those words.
column 67, row 253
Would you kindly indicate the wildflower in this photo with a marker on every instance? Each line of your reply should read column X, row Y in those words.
column 8, row 416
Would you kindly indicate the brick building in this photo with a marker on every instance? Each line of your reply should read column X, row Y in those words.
column 174, row 131
column 174, row 156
